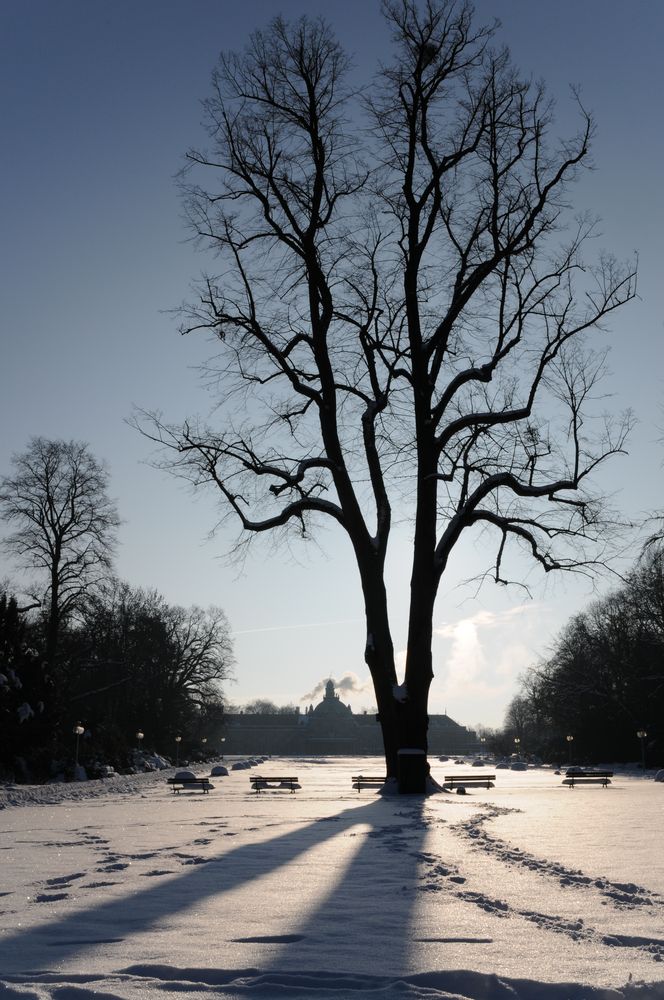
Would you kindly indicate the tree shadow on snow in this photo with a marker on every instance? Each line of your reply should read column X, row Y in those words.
column 342, row 921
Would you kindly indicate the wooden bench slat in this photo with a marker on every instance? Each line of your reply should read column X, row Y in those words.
column 589, row 774
column 588, row 778
column 177, row 784
column 469, row 779
column 367, row 779
column 261, row 781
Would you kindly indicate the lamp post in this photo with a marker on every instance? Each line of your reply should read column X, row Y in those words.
column 641, row 733
column 223, row 740
column 139, row 737
column 517, row 743
column 178, row 740
column 78, row 732
column 570, row 740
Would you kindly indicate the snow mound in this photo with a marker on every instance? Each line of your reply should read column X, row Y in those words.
column 436, row 985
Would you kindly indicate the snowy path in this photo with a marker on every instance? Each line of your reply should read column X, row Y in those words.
column 526, row 890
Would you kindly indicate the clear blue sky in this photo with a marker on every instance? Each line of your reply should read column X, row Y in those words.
column 99, row 101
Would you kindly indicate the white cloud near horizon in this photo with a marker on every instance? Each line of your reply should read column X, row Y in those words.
column 488, row 619
column 477, row 659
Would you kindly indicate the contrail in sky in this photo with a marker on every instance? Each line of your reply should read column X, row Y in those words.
column 281, row 628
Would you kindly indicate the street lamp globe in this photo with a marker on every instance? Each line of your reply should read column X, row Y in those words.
column 78, row 731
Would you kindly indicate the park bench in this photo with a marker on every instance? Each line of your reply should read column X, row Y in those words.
column 470, row 779
column 588, row 778
column 367, row 779
column 177, row 784
column 259, row 782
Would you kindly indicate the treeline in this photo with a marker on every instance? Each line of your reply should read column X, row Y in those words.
column 128, row 663
column 603, row 683
column 80, row 649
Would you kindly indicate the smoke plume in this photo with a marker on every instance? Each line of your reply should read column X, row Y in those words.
column 348, row 683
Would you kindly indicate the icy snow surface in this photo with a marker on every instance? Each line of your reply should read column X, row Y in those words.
column 529, row 890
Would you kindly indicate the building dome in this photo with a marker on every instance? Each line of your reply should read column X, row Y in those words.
column 331, row 707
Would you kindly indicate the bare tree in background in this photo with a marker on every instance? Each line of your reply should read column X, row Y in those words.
column 400, row 307
column 154, row 664
column 263, row 706
column 64, row 525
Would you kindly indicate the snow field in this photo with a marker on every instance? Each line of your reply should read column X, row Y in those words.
column 525, row 890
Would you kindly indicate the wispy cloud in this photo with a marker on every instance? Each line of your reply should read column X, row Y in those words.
column 299, row 625
column 486, row 619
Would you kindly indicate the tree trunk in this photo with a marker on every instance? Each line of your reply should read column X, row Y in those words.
column 404, row 723
column 379, row 657
column 413, row 711
column 53, row 623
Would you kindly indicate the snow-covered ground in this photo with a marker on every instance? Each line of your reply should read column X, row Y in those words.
column 526, row 890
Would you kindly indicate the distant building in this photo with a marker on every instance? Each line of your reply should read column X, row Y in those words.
column 332, row 728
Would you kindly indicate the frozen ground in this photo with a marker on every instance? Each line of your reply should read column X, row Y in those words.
column 527, row 890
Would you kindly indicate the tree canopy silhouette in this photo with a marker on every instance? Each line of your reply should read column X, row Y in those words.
column 400, row 303
column 64, row 525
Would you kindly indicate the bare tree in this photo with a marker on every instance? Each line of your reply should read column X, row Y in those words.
column 164, row 663
column 65, row 524
column 654, row 522
column 262, row 706
column 400, row 315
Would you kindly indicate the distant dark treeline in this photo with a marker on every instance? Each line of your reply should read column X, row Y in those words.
column 603, row 683
column 127, row 662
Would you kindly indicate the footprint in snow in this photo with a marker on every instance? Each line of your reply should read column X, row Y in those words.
column 64, row 879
